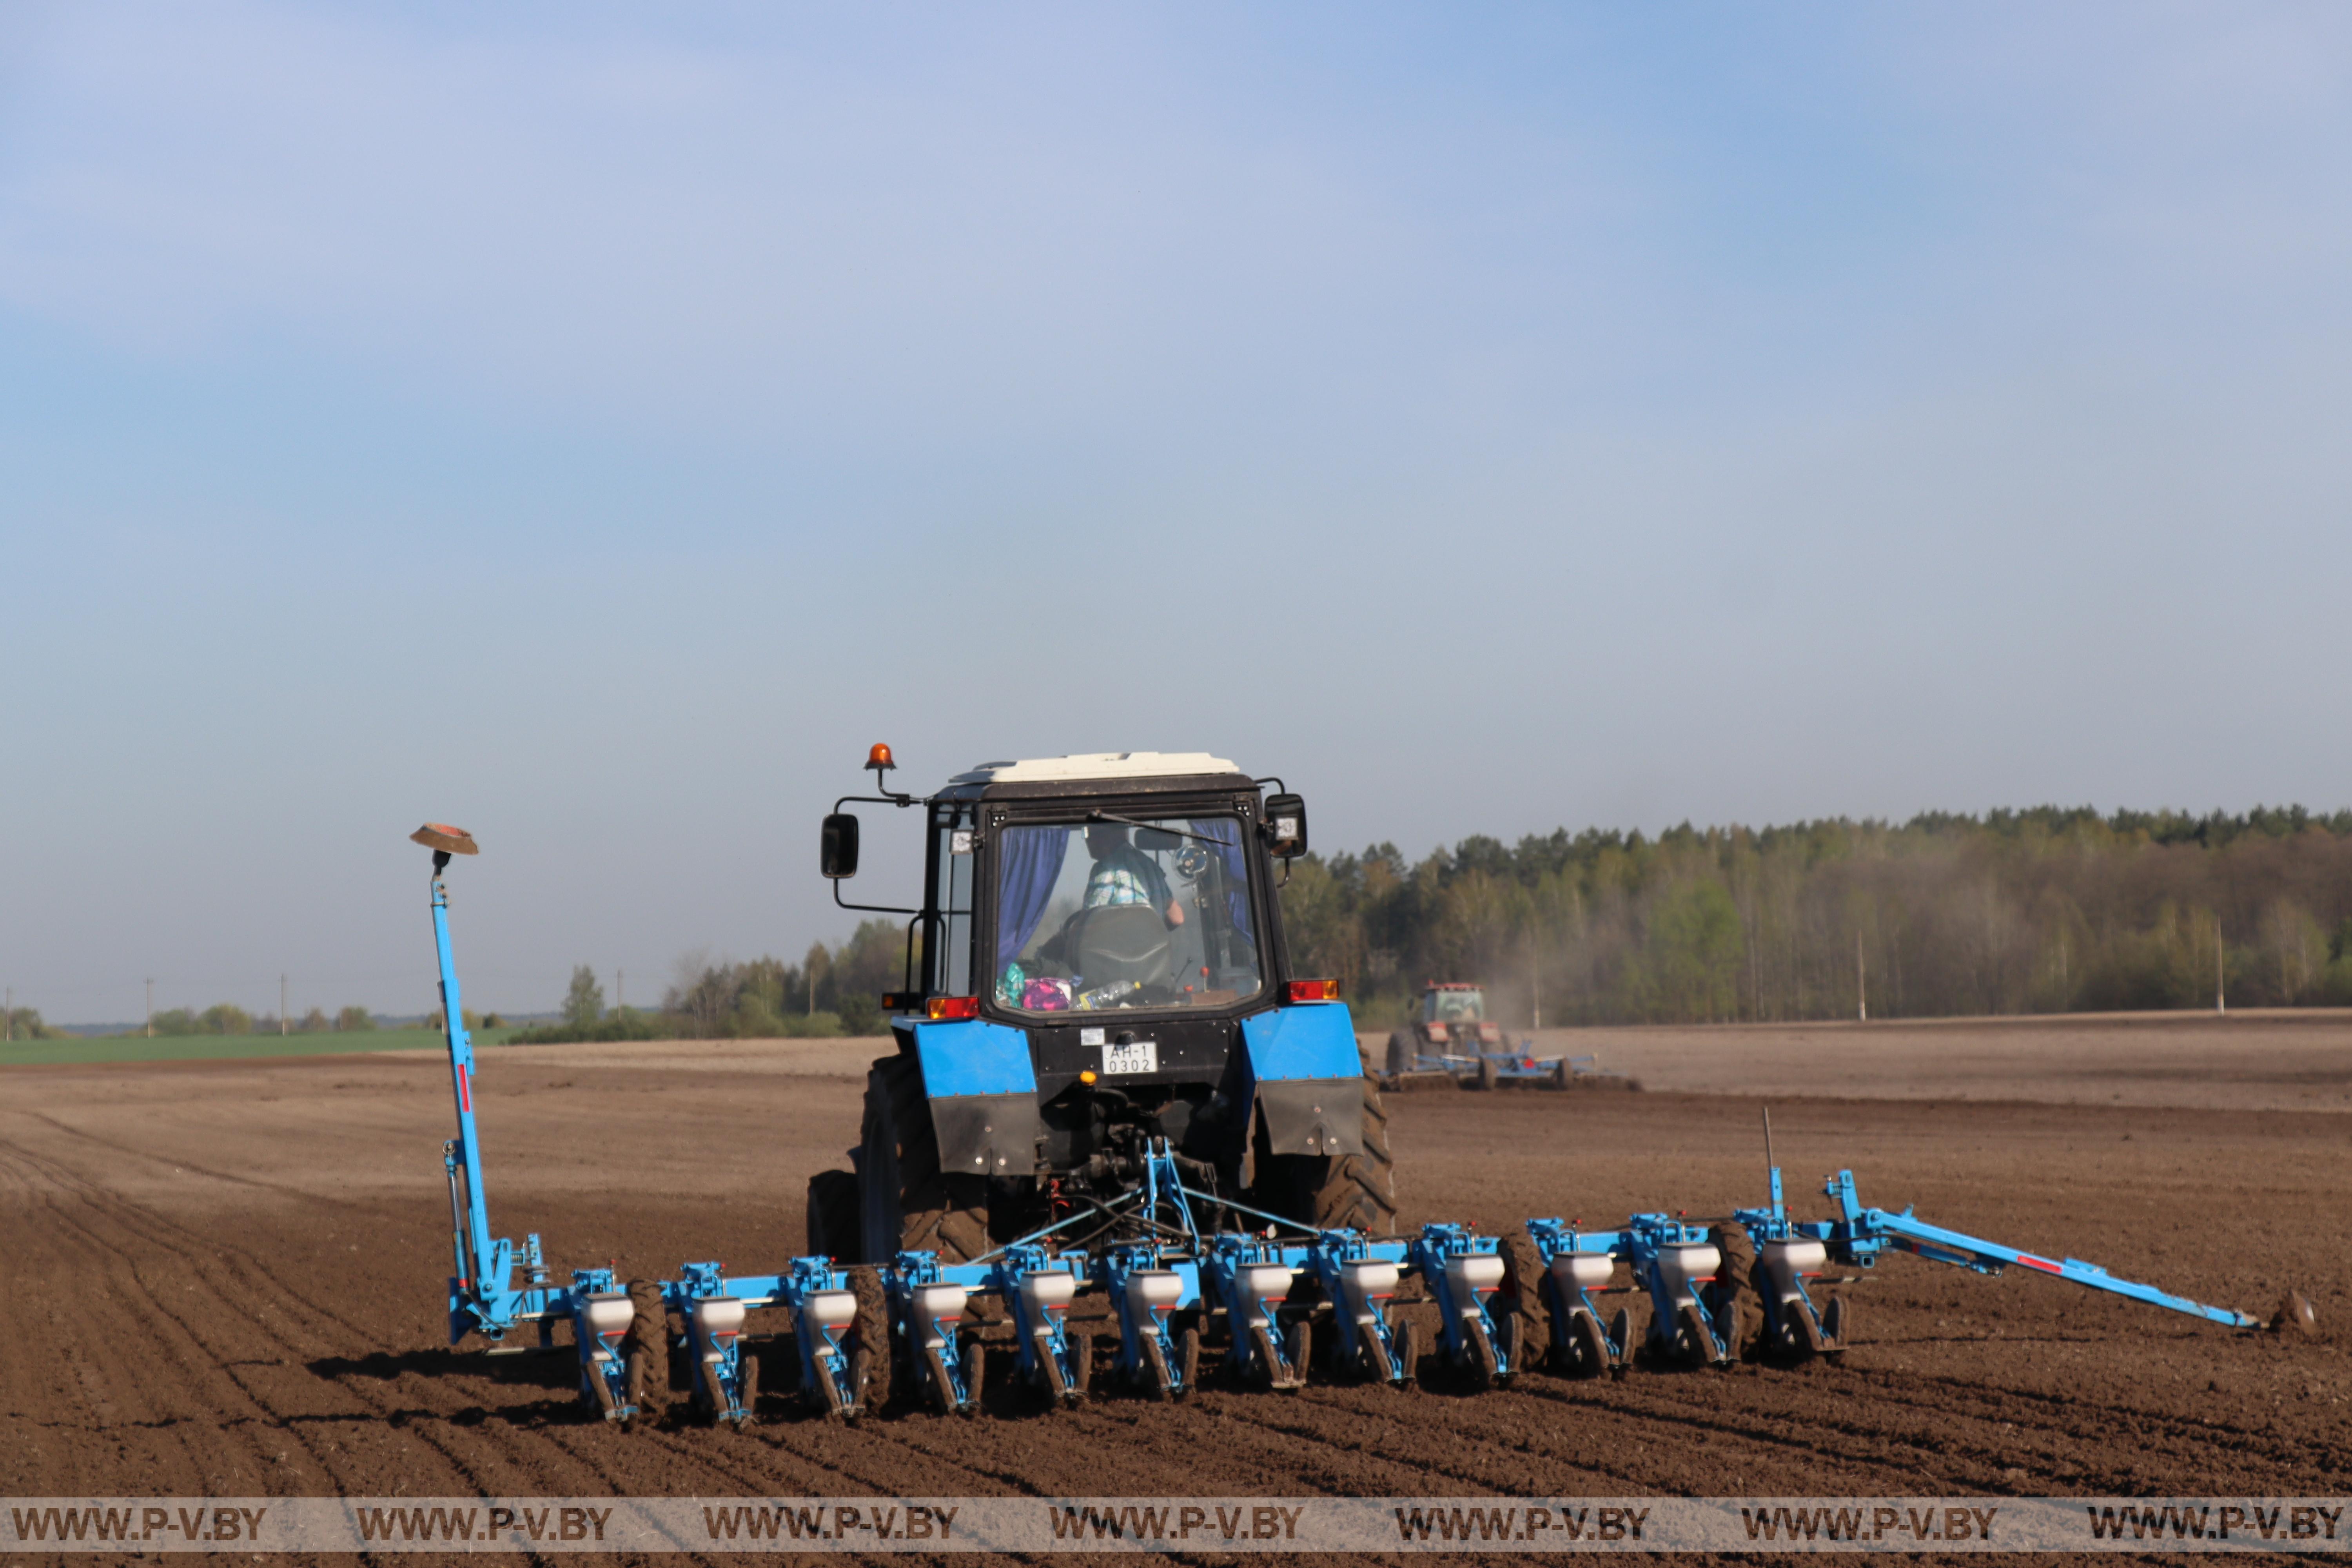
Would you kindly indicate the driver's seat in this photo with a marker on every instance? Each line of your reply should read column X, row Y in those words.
column 1120, row 942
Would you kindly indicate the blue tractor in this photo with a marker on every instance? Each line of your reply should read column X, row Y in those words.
column 1095, row 978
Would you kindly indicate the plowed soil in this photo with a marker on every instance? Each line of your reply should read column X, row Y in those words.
column 226, row 1278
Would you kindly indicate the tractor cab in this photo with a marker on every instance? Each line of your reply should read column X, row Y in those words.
column 1095, row 968
column 1456, row 1015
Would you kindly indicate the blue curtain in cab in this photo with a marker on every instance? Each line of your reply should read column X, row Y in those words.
column 1225, row 834
column 1028, row 863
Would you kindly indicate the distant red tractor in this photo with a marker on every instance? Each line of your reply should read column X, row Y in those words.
column 1452, row 1035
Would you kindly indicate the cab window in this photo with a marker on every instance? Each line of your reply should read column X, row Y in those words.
column 1099, row 915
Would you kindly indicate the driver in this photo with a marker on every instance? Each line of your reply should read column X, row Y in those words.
column 1126, row 875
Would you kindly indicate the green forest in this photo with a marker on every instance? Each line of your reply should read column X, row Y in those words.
column 2046, row 911
column 832, row 991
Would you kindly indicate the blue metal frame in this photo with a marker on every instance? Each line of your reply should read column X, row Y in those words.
column 1794, row 1322
column 1168, row 1267
column 903, row 1282
column 1651, row 1246
column 1230, row 1269
column 1200, row 1274
column 1508, row 1064
column 1653, row 1243
column 1148, row 1359
column 484, row 1297
column 1859, row 1235
column 1360, row 1315
column 1025, row 1274
column 810, row 1289
column 1466, row 1329
column 1566, row 1299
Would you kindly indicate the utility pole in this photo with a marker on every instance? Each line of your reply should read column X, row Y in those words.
column 150, row 1007
column 1535, row 979
column 2221, row 1001
column 1860, row 983
column 620, row 990
column 281, row 1007
column 10, row 1033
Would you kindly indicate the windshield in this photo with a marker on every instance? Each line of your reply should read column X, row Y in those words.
column 1456, row 1005
column 1105, row 915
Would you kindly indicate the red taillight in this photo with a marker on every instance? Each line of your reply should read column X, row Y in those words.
column 1314, row 991
column 1437, row 1032
column 947, row 1009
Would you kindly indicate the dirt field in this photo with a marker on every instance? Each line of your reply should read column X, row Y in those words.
column 225, row 1279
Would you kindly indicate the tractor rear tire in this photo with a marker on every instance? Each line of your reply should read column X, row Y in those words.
column 645, row 1348
column 906, row 1203
column 833, row 1216
column 1522, row 1294
column 870, row 1332
column 1355, row 1191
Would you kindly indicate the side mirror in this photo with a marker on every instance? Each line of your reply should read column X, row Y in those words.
column 838, row 856
column 1286, row 826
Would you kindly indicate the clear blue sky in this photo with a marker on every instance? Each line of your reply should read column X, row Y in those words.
column 594, row 425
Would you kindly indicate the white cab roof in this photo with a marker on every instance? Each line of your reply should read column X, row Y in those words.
column 1098, row 765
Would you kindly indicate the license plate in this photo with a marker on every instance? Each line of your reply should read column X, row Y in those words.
column 1134, row 1056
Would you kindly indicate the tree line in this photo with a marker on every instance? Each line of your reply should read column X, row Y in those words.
column 2044, row 911
column 2051, row 909
column 220, row 1018
column 833, row 991
column 228, row 1018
